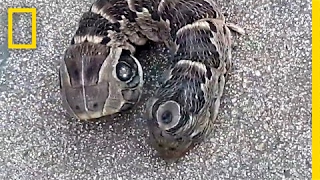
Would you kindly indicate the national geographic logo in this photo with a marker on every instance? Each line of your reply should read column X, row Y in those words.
column 33, row 44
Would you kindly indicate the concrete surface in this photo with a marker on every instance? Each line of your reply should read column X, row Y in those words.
column 263, row 130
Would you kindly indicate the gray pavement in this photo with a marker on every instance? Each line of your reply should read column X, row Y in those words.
column 263, row 130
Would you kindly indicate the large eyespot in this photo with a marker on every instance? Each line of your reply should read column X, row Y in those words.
column 124, row 71
column 168, row 115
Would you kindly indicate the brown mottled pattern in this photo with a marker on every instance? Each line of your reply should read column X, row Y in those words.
column 189, row 96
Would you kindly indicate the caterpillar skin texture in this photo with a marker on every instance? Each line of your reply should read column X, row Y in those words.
column 91, row 87
column 100, row 75
column 183, row 110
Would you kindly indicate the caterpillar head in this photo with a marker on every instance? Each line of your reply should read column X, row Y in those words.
column 176, row 117
column 97, row 80
column 165, row 118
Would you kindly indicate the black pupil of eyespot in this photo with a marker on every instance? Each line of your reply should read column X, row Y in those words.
column 123, row 71
column 166, row 117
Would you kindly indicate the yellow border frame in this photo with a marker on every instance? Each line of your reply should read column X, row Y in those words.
column 315, row 89
column 33, row 44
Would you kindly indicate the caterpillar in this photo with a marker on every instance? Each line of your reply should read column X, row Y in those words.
column 100, row 75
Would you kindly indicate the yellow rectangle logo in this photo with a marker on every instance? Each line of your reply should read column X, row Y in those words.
column 33, row 44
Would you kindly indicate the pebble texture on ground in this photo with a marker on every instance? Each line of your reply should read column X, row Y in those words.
column 263, row 130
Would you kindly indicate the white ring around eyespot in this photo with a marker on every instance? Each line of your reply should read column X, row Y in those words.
column 168, row 126
column 140, row 71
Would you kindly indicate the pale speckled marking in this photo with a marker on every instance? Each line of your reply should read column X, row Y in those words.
column 136, row 39
column 161, row 6
column 89, row 38
column 131, row 5
column 199, row 65
column 95, row 10
column 123, row 43
column 145, row 11
column 198, row 24
column 83, row 88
